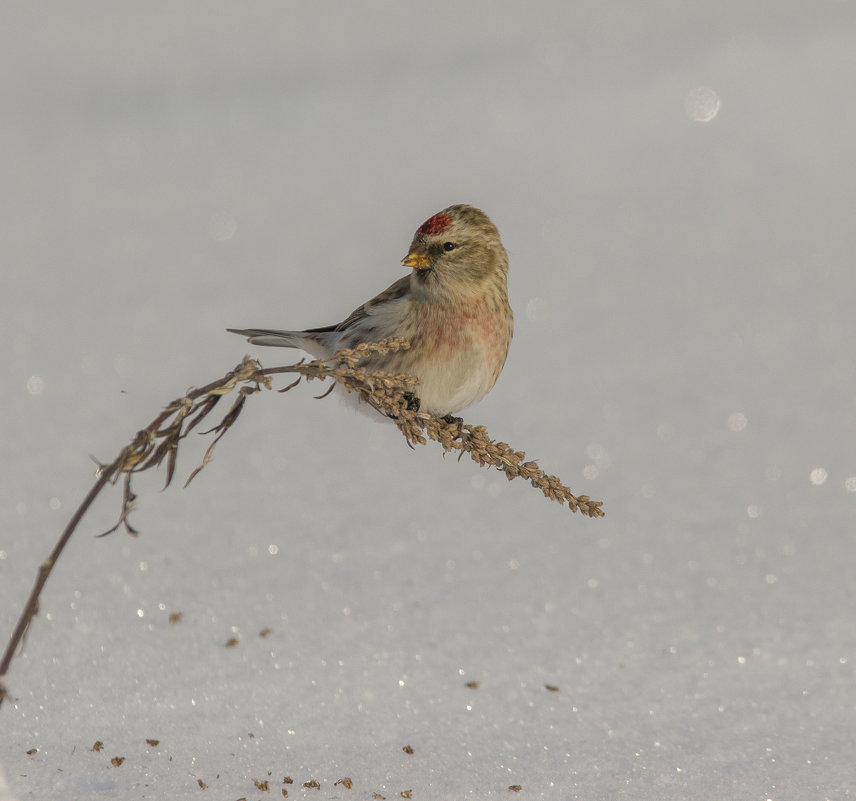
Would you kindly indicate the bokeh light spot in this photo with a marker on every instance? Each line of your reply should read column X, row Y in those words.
column 222, row 226
column 665, row 431
column 737, row 421
column 818, row 476
column 537, row 310
column 599, row 455
column 702, row 104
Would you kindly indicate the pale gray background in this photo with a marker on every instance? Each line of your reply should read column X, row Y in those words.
column 684, row 294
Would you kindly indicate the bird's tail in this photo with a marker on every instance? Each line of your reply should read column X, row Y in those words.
column 267, row 336
column 317, row 342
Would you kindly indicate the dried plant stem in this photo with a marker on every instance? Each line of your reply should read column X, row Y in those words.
column 129, row 460
column 391, row 394
column 45, row 568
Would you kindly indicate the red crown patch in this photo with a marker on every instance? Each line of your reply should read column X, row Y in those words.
column 436, row 225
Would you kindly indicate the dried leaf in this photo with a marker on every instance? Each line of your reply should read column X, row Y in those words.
column 209, row 454
column 129, row 501
column 292, row 385
column 202, row 410
column 321, row 397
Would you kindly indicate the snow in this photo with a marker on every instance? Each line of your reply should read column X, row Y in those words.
column 674, row 186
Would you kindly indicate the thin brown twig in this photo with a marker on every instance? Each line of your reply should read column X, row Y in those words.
column 45, row 568
column 391, row 394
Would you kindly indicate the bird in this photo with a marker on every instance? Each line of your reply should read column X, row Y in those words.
column 452, row 309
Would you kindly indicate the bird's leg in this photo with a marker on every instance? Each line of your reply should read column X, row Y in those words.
column 412, row 405
column 455, row 421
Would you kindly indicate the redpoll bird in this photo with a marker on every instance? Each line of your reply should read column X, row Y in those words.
column 452, row 309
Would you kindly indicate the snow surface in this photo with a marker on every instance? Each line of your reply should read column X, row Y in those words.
column 684, row 292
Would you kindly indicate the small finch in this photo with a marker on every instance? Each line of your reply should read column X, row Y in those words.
column 452, row 309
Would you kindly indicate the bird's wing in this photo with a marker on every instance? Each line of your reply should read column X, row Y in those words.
column 393, row 292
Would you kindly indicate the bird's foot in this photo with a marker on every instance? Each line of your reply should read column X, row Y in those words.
column 458, row 422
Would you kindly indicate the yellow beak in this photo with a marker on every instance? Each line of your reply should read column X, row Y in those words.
column 417, row 261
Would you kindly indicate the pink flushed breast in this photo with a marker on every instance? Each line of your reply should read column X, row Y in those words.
column 479, row 325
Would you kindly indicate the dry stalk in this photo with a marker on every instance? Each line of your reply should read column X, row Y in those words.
column 390, row 393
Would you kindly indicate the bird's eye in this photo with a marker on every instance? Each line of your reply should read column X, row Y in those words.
column 447, row 246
